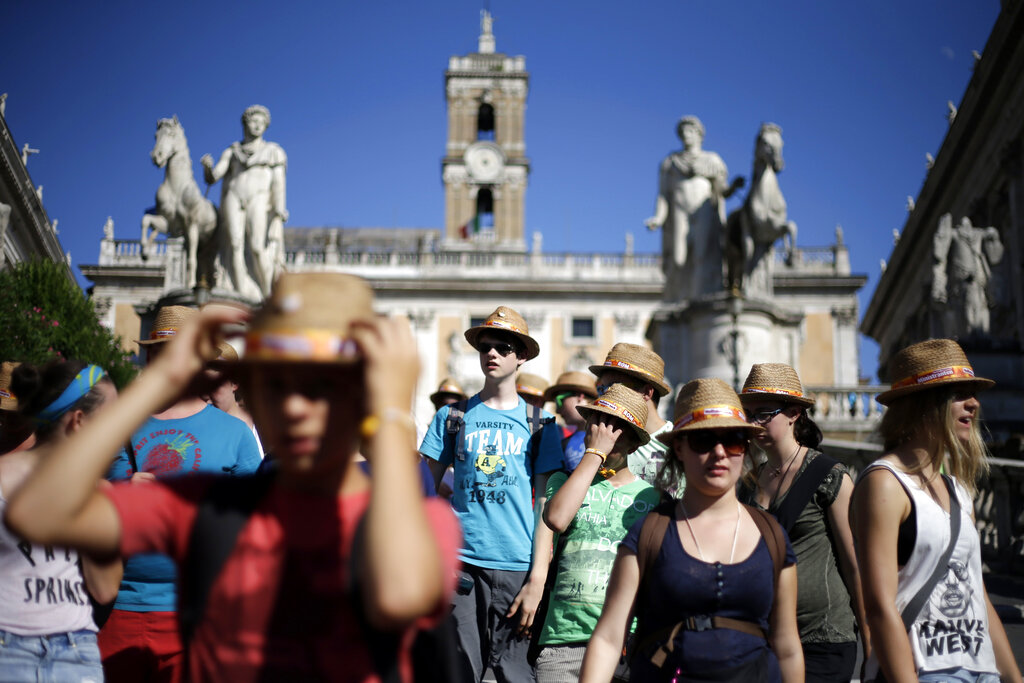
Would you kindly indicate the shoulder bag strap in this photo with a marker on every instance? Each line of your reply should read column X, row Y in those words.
column 771, row 531
column 652, row 535
column 455, row 426
column 913, row 608
column 130, row 450
column 802, row 490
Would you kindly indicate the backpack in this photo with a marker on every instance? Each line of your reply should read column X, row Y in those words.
column 221, row 514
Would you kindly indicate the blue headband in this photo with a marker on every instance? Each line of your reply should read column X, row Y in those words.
column 79, row 387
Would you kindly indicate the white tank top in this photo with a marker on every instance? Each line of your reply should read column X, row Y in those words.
column 41, row 587
column 952, row 629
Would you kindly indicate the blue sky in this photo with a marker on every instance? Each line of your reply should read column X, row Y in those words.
column 356, row 91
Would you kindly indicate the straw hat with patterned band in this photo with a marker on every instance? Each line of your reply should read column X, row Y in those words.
column 625, row 404
column 531, row 385
column 504, row 319
column 707, row 404
column 930, row 364
column 8, row 401
column 169, row 320
column 306, row 319
column 774, row 381
column 637, row 361
column 576, row 382
column 448, row 387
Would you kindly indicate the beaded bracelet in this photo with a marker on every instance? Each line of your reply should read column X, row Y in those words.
column 371, row 424
column 600, row 454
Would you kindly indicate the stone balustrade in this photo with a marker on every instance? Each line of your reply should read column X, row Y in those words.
column 847, row 409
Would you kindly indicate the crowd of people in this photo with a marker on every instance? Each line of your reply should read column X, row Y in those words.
column 281, row 516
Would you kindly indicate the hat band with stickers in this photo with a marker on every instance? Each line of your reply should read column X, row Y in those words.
column 311, row 345
column 941, row 374
column 620, row 411
column 6, row 394
column 163, row 333
column 612, row 363
column 773, row 390
column 503, row 325
column 709, row 413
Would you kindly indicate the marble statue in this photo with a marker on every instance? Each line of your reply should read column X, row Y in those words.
column 181, row 209
column 108, row 228
column 962, row 281
column 252, row 205
column 690, row 211
column 753, row 228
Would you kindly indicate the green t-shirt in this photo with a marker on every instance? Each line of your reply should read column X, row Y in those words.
column 587, row 553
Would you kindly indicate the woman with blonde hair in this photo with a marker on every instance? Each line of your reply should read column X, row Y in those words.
column 917, row 546
column 713, row 581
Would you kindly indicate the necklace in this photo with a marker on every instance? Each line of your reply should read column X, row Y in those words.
column 776, row 471
column 735, row 533
column 778, row 490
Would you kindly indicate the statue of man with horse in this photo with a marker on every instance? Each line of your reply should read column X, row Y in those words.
column 753, row 229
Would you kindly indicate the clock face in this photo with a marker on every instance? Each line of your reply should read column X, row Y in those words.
column 484, row 161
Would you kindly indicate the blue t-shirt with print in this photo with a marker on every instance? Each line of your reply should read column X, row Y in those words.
column 493, row 496
column 210, row 441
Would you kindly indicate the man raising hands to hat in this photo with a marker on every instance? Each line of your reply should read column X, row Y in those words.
column 496, row 456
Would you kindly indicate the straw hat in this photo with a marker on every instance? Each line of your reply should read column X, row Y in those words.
column 707, row 404
column 504, row 319
column 8, row 401
column 306, row 319
column 779, row 381
column 226, row 352
column 448, row 387
column 572, row 381
column 625, row 404
column 531, row 385
column 927, row 365
column 638, row 361
column 169, row 320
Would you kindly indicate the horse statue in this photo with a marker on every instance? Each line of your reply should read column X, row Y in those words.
column 181, row 209
column 752, row 229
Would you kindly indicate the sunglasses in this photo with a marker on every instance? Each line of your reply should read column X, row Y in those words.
column 503, row 348
column 764, row 416
column 704, row 441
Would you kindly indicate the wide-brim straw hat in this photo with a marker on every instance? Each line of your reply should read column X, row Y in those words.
column 637, row 361
column 308, row 319
column 531, row 385
column 8, row 401
column 575, row 381
column 448, row 387
column 774, row 381
column 226, row 352
column 625, row 404
column 931, row 364
column 707, row 403
column 504, row 319
column 169, row 320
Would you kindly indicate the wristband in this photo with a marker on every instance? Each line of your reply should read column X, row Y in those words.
column 371, row 424
column 600, row 454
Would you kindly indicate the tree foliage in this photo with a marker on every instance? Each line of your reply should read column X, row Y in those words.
column 43, row 315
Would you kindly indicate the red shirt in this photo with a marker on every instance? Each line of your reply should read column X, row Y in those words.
column 280, row 604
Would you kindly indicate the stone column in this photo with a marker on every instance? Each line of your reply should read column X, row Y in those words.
column 1013, row 167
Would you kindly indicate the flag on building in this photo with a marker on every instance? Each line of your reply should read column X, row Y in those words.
column 473, row 226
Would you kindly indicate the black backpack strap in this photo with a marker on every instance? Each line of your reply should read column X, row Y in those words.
column 222, row 512
column 130, row 450
column 913, row 608
column 455, row 429
column 802, row 490
column 382, row 646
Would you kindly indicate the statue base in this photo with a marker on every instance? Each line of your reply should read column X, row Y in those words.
column 722, row 335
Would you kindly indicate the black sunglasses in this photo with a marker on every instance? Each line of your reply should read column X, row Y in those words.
column 503, row 348
column 704, row 441
column 763, row 417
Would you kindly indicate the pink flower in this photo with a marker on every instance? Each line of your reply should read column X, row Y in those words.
column 55, row 323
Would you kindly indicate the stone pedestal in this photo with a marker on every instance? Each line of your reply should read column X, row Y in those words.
column 193, row 298
column 722, row 336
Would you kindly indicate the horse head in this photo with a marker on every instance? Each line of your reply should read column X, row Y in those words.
column 768, row 148
column 170, row 139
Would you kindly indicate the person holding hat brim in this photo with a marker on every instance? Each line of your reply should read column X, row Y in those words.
column 591, row 510
column 904, row 515
column 571, row 391
column 829, row 602
column 642, row 370
column 499, row 462
column 710, row 591
column 323, row 382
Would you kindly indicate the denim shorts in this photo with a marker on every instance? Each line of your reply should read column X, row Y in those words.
column 956, row 676
column 50, row 659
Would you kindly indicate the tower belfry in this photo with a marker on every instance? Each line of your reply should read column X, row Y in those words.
column 485, row 166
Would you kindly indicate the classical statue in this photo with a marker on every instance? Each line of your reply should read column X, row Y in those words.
column 690, row 210
column 108, row 228
column 252, row 205
column 181, row 209
column 962, row 282
column 753, row 228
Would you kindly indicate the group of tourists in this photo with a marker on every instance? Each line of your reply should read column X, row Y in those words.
column 604, row 543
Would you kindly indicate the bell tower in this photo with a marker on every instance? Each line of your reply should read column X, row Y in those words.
column 485, row 168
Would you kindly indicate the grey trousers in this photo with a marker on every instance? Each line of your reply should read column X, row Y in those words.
column 560, row 663
column 486, row 637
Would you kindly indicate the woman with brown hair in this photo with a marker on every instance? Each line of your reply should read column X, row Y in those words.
column 713, row 581
column 809, row 493
column 917, row 546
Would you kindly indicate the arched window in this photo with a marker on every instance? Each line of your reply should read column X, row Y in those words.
column 485, row 122
column 485, row 207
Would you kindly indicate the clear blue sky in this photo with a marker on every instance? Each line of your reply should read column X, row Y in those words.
column 356, row 91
